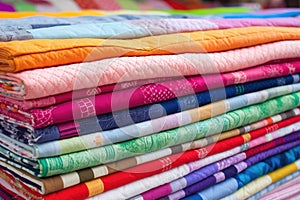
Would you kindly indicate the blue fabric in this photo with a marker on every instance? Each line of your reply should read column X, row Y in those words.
column 231, row 185
column 143, row 113
column 196, row 183
column 97, row 30
column 153, row 111
column 271, row 15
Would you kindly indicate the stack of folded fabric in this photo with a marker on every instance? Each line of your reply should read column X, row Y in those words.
column 150, row 109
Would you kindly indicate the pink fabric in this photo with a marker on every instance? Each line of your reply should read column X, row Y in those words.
column 288, row 190
column 60, row 98
column 56, row 80
column 235, row 23
column 104, row 103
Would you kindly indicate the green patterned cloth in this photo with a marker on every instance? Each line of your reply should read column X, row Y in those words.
column 110, row 153
column 97, row 156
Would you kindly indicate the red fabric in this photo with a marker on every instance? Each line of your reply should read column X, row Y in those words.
column 76, row 192
column 87, row 4
column 175, row 5
column 20, row 186
column 118, row 179
column 262, row 131
column 8, row 195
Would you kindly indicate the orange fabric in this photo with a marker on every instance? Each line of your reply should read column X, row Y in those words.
column 29, row 54
column 51, row 14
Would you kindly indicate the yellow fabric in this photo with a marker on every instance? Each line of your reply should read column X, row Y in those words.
column 266, row 180
column 51, row 14
column 95, row 187
column 283, row 172
column 29, row 54
column 253, row 187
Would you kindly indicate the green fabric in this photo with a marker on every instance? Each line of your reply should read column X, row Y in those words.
column 130, row 5
column 209, row 11
column 97, row 156
column 23, row 6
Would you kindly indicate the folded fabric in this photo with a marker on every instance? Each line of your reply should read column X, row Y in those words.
column 43, row 52
column 109, row 153
column 12, row 90
column 6, row 191
column 286, row 188
column 153, row 167
column 116, row 30
column 27, row 23
column 98, row 139
column 24, row 85
column 195, row 184
column 124, row 192
column 230, row 185
column 185, row 186
column 138, row 28
column 69, row 179
column 135, row 115
column 105, row 103
column 262, row 14
column 264, row 181
column 52, row 14
column 36, row 22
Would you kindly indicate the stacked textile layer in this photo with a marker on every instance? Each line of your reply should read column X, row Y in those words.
column 161, row 108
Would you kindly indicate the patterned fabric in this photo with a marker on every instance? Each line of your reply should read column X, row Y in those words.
column 105, row 103
column 137, row 115
column 70, row 179
column 148, row 169
column 266, row 180
column 109, row 153
column 136, row 29
column 183, row 187
column 230, row 185
column 145, row 128
column 9, row 28
column 96, row 49
column 124, row 192
column 286, row 188
column 74, row 77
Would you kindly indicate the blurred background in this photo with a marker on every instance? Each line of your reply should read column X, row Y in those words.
column 58, row 5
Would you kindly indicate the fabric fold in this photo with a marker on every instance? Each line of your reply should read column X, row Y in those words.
column 31, row 54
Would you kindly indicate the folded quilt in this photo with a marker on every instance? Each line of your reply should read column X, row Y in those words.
column 152, row 93
column 69, row 179
column 39, row 83
column 12, row 90
column 264, row 181
column 36, row 22
column 156, row 167
column 109, row 153
column 137, row 28
column 135, row 115
column 123, row 192
column 7, row 191
column 190, row 183
column 31, row 54
column 286, row 188
column 98, row 139
column 289, row 164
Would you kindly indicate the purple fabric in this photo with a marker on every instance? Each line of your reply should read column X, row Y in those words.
column 239, row 23
column 6, row 7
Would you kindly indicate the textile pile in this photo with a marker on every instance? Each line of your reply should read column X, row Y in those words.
column 158, row 106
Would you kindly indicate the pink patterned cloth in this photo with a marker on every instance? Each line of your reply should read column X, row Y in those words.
column 124, row 99
column 45, row 82
column 289, row 190
column 64, row 97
